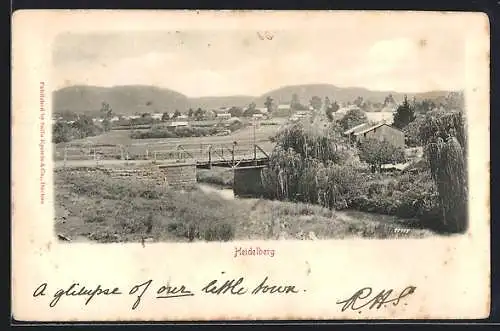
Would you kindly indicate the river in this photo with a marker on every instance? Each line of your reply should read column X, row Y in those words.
column 225, row 193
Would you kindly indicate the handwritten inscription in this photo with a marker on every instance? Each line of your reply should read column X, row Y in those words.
column 234, row 286
column 363, row 298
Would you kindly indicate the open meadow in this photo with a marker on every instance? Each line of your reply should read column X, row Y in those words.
column 92, row 205
column 111, row 144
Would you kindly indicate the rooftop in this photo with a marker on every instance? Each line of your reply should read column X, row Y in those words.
column 365, row 127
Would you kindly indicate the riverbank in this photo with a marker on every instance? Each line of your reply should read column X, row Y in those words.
column 100, row 208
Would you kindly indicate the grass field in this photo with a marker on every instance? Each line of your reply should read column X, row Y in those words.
column 109, row 142
column 93, row 206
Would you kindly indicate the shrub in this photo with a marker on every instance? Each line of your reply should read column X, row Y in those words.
column 218, row 232
column 94, row 219
column 216, row 176
column 104, row 237
column 377, row 153
column 411, row 196
column 149, row 194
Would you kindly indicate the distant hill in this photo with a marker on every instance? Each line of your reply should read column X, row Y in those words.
column 340, row 94
column 122, row 99
column 218, row 102
column 140, row 99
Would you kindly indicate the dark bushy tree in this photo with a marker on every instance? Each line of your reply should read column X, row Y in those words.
column 236, row 111
column 352, row 118
column 176, row 114
column 316, row 102
column 252, row 109
column 405, row 114
column 269, row 104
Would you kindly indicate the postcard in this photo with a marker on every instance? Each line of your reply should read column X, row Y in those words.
column 250, row 165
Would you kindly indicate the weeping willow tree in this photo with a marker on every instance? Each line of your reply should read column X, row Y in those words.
column 302, row 165
column 445, row 142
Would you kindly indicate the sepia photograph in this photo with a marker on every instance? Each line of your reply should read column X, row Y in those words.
column 245, row 135
column 234, row 165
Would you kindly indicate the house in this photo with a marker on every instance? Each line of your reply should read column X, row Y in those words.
column 131, row 117
column 210, row 115
column 223, row 116
column 380, row 131
column 177, row 124
column 344, row 110
column 282, row 110
column 157, row 116
column 114, row 119
column 302, row 114
column 283, row 107
column 182, row 117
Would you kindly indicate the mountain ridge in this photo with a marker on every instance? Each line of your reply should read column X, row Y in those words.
column 132, row 99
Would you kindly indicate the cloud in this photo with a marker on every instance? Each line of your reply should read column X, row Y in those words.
column 234, row 63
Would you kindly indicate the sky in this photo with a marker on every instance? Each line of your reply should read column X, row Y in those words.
column 247, row 62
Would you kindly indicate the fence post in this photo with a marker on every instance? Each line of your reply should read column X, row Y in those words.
column 210, row 156
column 147, row 154
column 65, row 154
column 155, row 156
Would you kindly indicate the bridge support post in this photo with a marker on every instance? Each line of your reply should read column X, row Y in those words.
column 232, row 157
column 210, row 157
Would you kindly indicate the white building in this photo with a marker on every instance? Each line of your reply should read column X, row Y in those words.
column 179, row 124
column 284, row 107
column 157, row 116
column 223, row 116
column 131, row 117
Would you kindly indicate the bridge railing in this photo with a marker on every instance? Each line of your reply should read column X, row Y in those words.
column 228, row 152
